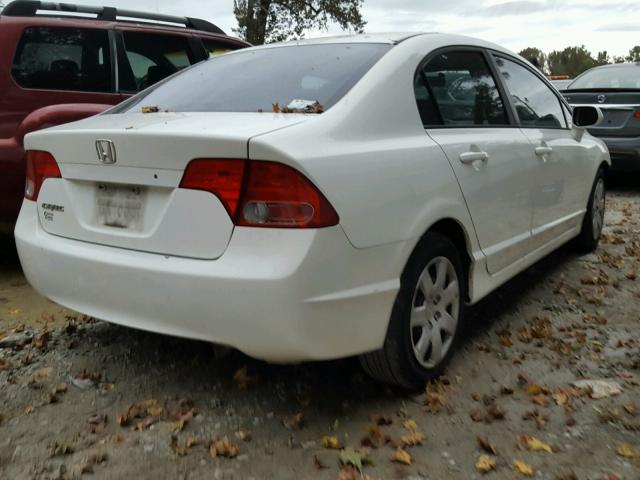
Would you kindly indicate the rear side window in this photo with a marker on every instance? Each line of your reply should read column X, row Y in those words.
column 253, row 80
column 458, row 89
column 55, row 58
column 535, row 103
column 150, row 58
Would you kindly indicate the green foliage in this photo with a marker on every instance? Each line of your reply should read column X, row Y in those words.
column 535, row 56
column 571, row 61
column 634, row 54
column 265, row 21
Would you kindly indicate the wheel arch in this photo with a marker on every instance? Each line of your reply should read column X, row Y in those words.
column 453, row 230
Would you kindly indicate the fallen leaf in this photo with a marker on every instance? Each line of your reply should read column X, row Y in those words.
column 412, row 439
column 223, row 448
column 294, row 422
column 625, row 450
column 243, row 379
column 330, row 442
column 150, row 109
column 485, row 464
column 599, row 388
column 349, row 472
column 244, row 435
column 486, row 445
column 5, row 364
column 145, row 409
column 533, row 444
column 523, row 468
column 401, row 456
column 350, row 456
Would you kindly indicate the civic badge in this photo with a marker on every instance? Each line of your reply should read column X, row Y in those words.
column 106, row 151
column 602, row 98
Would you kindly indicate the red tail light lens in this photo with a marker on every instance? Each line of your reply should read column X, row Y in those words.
column 40, row 166
column 262, row 194
column 223, row 178
column 277, row 195
column 637, row 114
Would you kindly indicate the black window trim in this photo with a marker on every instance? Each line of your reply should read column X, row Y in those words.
column 561, row 100
column 513, row 123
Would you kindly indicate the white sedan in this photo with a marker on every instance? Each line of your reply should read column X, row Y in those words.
column 316, row 199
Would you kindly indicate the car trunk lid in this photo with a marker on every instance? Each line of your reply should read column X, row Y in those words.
column 121, row 176
column 618, row 107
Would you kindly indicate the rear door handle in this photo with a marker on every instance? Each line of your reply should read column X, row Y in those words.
column 542, row 151
column 472, row 157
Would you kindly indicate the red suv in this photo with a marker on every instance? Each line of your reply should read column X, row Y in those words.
column 62, row 62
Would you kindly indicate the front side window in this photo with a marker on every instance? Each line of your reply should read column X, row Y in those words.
column 151, row 58
column 294, row 78
column 458, row 89
column 56, row 58
column 535, row 103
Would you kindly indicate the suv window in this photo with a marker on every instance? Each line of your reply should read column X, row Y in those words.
column 151, row 58
column 56, row 58
column 215, row 48
column 535, row 103
column 458, row 89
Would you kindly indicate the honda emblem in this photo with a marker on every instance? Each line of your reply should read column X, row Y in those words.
column 106, row 151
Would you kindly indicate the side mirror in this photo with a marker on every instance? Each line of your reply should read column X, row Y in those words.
column 587, row 116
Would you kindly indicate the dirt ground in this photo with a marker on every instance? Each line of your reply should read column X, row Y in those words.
column 79, row 397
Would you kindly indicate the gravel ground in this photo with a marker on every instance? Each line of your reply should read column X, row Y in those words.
column 80, row 397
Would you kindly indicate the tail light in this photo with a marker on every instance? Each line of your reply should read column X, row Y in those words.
column 637, row 114
column 40, row 166
column 262, row 194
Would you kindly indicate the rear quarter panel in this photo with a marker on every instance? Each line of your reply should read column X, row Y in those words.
column 371, row 157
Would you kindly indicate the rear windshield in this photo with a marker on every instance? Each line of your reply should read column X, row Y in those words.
column 297, row 78
column 610, row 77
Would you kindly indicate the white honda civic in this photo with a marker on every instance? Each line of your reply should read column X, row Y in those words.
column 316, row 199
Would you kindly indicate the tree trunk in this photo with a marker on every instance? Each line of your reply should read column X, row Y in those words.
column 257, row 17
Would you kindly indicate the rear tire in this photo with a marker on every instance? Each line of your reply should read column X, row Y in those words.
column 593, row 222
column 426, row 320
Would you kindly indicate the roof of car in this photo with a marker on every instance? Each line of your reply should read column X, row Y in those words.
column 389, row 37
column 619, row 65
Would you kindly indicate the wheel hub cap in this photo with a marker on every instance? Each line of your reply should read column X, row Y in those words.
column 435, row 310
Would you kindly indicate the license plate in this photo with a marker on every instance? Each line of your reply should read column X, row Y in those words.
column 120, row 206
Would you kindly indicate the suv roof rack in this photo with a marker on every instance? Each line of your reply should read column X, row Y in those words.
column 29, row 8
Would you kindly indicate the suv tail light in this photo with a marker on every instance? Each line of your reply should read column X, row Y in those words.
column 262, row 194
column 40, row 166
column 637, row 114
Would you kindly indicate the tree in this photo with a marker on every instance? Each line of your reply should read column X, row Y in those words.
column 634, row 54
column 602, row 58
column 536, row 56
column 571, row 61
column 263, row 21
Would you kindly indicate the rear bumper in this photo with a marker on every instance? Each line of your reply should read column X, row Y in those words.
column 625, row 153
column 277, row 295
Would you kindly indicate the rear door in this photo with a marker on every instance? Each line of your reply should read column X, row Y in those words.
column 562, row 182
column 463, row 109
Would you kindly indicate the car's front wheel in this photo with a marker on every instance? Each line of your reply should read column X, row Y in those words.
column 426, row 318
column 593, row 221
